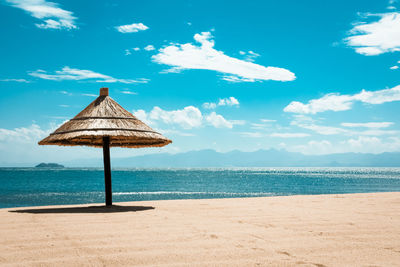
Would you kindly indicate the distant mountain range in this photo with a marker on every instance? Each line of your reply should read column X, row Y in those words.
column 260, row 158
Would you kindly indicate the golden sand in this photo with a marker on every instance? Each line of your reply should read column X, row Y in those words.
column 323, row 230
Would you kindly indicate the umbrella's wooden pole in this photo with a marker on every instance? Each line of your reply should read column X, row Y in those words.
column 107, row 169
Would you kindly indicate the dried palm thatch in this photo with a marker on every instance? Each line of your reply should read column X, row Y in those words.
column 105, row 117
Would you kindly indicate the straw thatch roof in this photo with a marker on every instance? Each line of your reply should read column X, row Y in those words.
column 105, row 117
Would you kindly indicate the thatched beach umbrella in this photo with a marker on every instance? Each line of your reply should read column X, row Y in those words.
column 105, row 123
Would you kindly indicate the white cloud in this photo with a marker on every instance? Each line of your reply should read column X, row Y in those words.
column 189, row 56
column 208, row 105
column 303, row 118
column 373, row 144
column 15, row 80
column 51, row 15
column 368, row 124
column 91, row 95
column 337, row 102
column 377, row 37
column 315, row 148
column 362, row 144
column 126, row 92
column 187, row 118
column 149, row 48
column 66, row 93
column 309, row 124
column 237, row 122
column 334, row 102
column 23, row 134
column 258, row 126
column 267, row 120
column 230, row 101
column 373, row 128
column 143, row 116
column 265, row 123
column 279, row 135
column 379, row 97
column 129, row 51
column 289, row 135
column 68, row 73
column 134, row 27
column 376, row 132
column 394, row 67
column 324, row 130
column 252, row 134
column 218, row 121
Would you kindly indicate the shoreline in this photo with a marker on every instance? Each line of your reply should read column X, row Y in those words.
column 307, row 230
column 115, row 203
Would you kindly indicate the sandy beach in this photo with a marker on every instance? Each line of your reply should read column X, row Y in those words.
column 321, row 230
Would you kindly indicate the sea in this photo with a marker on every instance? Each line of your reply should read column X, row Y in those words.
column 21, row 187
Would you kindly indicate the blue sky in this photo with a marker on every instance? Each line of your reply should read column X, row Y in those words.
column 315, row 77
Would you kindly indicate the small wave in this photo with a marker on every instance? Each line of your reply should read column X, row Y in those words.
column 195, row 193
column 152, row 193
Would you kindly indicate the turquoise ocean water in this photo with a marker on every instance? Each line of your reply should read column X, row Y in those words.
column 35, row 187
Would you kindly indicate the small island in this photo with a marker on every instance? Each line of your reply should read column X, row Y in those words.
column 49, row 165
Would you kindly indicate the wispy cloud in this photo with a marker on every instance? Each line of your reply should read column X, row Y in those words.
column 323, row 130
column 278, row 135
column 68, row 73
column 127, row 92
column 368, row 128
column 376, row 37
column 265, row 123
column 129, row 28
column 51, row 15
column 15, row 80
column 249, row 55
column 367, row 124
column 391, row 4
column 187, row 118
column 289, row 135
column 65, row 93
column 230, row 101
column 267, row 120
column 252, row 134
column 149, row 48
column 189, row 56
column 91, row 95
column 338, row 102
column 361, row 144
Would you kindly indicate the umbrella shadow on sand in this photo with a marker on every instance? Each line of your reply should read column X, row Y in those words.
column 90, row 209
